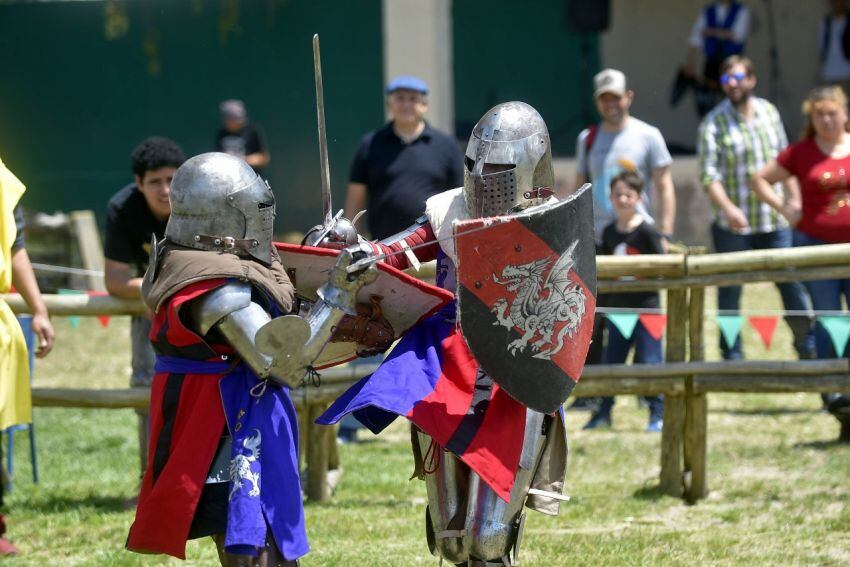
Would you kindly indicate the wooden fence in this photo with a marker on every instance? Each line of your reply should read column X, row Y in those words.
column 684, row 378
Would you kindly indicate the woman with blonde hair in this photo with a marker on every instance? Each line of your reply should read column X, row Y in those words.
column 820, row 213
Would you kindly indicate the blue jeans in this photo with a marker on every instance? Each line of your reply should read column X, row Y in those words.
column 826, row 295
column 793, row 293
column 647, row 351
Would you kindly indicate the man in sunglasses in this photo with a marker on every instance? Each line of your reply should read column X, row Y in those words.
column 737, row 138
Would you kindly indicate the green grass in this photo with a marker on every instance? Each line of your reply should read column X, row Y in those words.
column 780, row 492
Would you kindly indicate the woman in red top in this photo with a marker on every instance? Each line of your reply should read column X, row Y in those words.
column 820, row 214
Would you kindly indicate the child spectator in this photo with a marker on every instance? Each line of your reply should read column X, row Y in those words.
column 630, row 234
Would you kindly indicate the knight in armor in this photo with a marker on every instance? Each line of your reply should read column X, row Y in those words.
column 482, row 454
column 224, row 434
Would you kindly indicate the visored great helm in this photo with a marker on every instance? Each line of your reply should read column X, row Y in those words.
column 508, row 163
column 219, row 203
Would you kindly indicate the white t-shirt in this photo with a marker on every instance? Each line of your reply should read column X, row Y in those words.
column 638, row 147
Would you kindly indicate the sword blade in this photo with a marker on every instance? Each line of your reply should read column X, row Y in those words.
column 323, row 139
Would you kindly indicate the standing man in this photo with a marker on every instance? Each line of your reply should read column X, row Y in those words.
column 834, row 43
column 134, row 213
column 720, row 30
column 224, row 433
column 483, row 464
column 400, row 165
column 736, row 139
column 240, row 138
column 16, row 270
column 620, row 143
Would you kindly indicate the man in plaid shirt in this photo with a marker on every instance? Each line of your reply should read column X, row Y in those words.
column 738, row 137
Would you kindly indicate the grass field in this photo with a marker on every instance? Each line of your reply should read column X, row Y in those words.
column 780, row 489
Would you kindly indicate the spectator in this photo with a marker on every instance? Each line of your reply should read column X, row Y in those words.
column 624, row 143
column 133, row 215
column 819, row 212
column 620, row 143
column 721, row 30
column 736, row 139
column 396, row 168
column 834, row 44
column 240, row 138
column 630, row 234
column 400, row 165
column 16, row 270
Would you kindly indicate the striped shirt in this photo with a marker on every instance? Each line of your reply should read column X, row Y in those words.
column 731, row 149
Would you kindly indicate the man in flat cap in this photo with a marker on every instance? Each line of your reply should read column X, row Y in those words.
column 400, row 165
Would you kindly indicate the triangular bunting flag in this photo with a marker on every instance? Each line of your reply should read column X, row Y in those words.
column 764, row 326
column 838, row 328
column 73, row 320
column 104, row 319
column 730, row 328
column 625, row 323
column 654, row 324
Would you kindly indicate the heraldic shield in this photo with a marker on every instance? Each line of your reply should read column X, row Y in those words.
column 527, row 297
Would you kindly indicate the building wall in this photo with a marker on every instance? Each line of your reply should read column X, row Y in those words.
column 81, row 87
column 648, row 41
column 506, row 50
column 418, row 41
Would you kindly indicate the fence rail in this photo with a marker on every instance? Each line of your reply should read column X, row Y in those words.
column 684, row 378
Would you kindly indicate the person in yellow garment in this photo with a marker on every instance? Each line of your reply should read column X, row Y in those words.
column 16, row 270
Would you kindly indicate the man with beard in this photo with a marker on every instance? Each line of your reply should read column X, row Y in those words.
column 737, row 138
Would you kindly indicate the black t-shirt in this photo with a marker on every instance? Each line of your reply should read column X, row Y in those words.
column 129, row 225
column 246, row 141
column 399, row 177
column 19, row 228
column 642, row 240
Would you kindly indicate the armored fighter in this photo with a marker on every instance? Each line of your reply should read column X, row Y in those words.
column 224, row 438
column 483, row 379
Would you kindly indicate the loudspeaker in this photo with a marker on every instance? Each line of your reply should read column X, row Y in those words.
column 588, row 16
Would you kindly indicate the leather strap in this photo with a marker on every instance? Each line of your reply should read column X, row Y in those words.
column 227, row 242
column 539, row 193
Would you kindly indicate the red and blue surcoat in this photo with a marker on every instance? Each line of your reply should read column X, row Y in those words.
column 432, row 379
column 199, row 390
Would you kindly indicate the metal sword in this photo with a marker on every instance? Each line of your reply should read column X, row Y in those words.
column 327, row 205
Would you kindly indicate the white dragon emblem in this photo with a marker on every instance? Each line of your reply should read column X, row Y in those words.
column 240, row 467
column 542, row 302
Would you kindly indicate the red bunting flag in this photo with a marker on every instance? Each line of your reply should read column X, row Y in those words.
column 654, row 323
column 104, row 319
column 764, row 326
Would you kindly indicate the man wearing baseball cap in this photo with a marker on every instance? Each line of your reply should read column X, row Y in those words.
column 400, row 165
column 239, row 137
column 621, row 142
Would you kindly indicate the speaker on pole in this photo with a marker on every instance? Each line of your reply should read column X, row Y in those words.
column 588, row 16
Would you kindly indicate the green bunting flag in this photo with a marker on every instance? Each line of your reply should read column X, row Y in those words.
column 838, row 329
column 73, row 319
column 625, row 323
column 730, row 328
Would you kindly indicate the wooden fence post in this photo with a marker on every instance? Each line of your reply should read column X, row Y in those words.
column 696, row 404
column 318, row 489
column 84, row 227
column 670, row 480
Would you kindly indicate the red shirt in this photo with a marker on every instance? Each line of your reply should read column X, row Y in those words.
column 825, row 186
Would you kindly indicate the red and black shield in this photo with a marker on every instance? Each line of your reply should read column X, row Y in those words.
column 527, row 296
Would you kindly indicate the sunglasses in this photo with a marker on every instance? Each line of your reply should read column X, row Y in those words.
column 726, row 77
